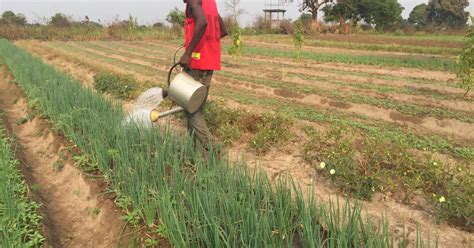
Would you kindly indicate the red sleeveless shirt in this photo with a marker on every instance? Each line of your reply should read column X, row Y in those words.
column 207, row 54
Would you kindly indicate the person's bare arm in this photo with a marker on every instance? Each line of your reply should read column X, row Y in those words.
column 222, row 27
column 200, row 25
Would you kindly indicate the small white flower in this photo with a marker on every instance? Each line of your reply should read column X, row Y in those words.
column 332, row 171
column 442, row 199
column 322, row 165
column 435, row 164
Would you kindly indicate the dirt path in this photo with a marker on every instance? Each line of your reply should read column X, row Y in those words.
column 75, row 214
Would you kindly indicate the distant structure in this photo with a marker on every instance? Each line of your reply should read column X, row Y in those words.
column 274, row 12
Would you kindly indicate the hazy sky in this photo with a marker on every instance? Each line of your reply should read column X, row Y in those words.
column 147, row 11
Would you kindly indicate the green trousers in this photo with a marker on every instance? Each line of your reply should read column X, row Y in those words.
column 196, row 123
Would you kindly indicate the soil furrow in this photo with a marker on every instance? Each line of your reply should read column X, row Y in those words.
column 280, row 72
column 381, row 70
column 76, row 214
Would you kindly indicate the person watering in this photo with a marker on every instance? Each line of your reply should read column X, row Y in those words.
column 203, row 29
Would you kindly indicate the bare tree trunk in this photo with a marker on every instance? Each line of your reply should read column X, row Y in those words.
column 314, row 15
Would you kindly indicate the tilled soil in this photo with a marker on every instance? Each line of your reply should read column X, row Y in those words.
column 75, row 214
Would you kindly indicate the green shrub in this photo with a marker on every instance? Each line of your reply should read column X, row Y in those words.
column 465, row 62
column 123, row 87
column 362, row 166
column 273, row 129
column 223, row 122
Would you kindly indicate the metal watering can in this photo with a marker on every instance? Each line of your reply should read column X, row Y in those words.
column 185, row 91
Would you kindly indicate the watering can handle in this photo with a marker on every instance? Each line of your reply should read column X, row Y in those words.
column 171, row 71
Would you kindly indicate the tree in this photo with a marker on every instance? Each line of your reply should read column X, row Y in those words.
column 465, row 62
column 298, row 37
column 342, row 11
column 60, row 20
column 8, row 17
column 313, row 6
column 233, row 7
column 176, row 17
column 449, row 13
column 418, row 15
column 381, row 13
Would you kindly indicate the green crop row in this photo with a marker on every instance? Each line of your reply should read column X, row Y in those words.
column 162, row 50
column 390, row 47
column 382, row 160
column 436, row 143
column 382, row 60
column 405, row 108
column 192, row 201
column 20, row 223
column 370, row 127
column 143, row 69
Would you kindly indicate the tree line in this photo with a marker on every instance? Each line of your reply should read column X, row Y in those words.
column 384, row 14
column 380, row 14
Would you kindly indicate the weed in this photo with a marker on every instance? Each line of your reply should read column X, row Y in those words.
column 94, row 211
column 123, row 87
column 223, row 121
column 274, row 129
column 20, row 223
column 35, row 187
column 22, row 121
column 76, row 192
column 58, row 165
column 363, row 166
column 84, row 162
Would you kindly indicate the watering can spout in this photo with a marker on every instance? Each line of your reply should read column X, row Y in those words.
column 155, row 115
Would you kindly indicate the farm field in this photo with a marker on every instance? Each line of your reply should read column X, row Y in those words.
column 382, row 121
column 193, row 201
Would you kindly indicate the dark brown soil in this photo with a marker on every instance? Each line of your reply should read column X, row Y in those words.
column 287, row 93
column 343, row 105
column 396, row 116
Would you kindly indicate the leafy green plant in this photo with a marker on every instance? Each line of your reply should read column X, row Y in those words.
column 122, row 87
column 223, row 122
column 465, row 62
column 20, row 223
column 381, row 166
column 298, row 37
column 58, row 165
column 236, row 35
column 273, row 129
